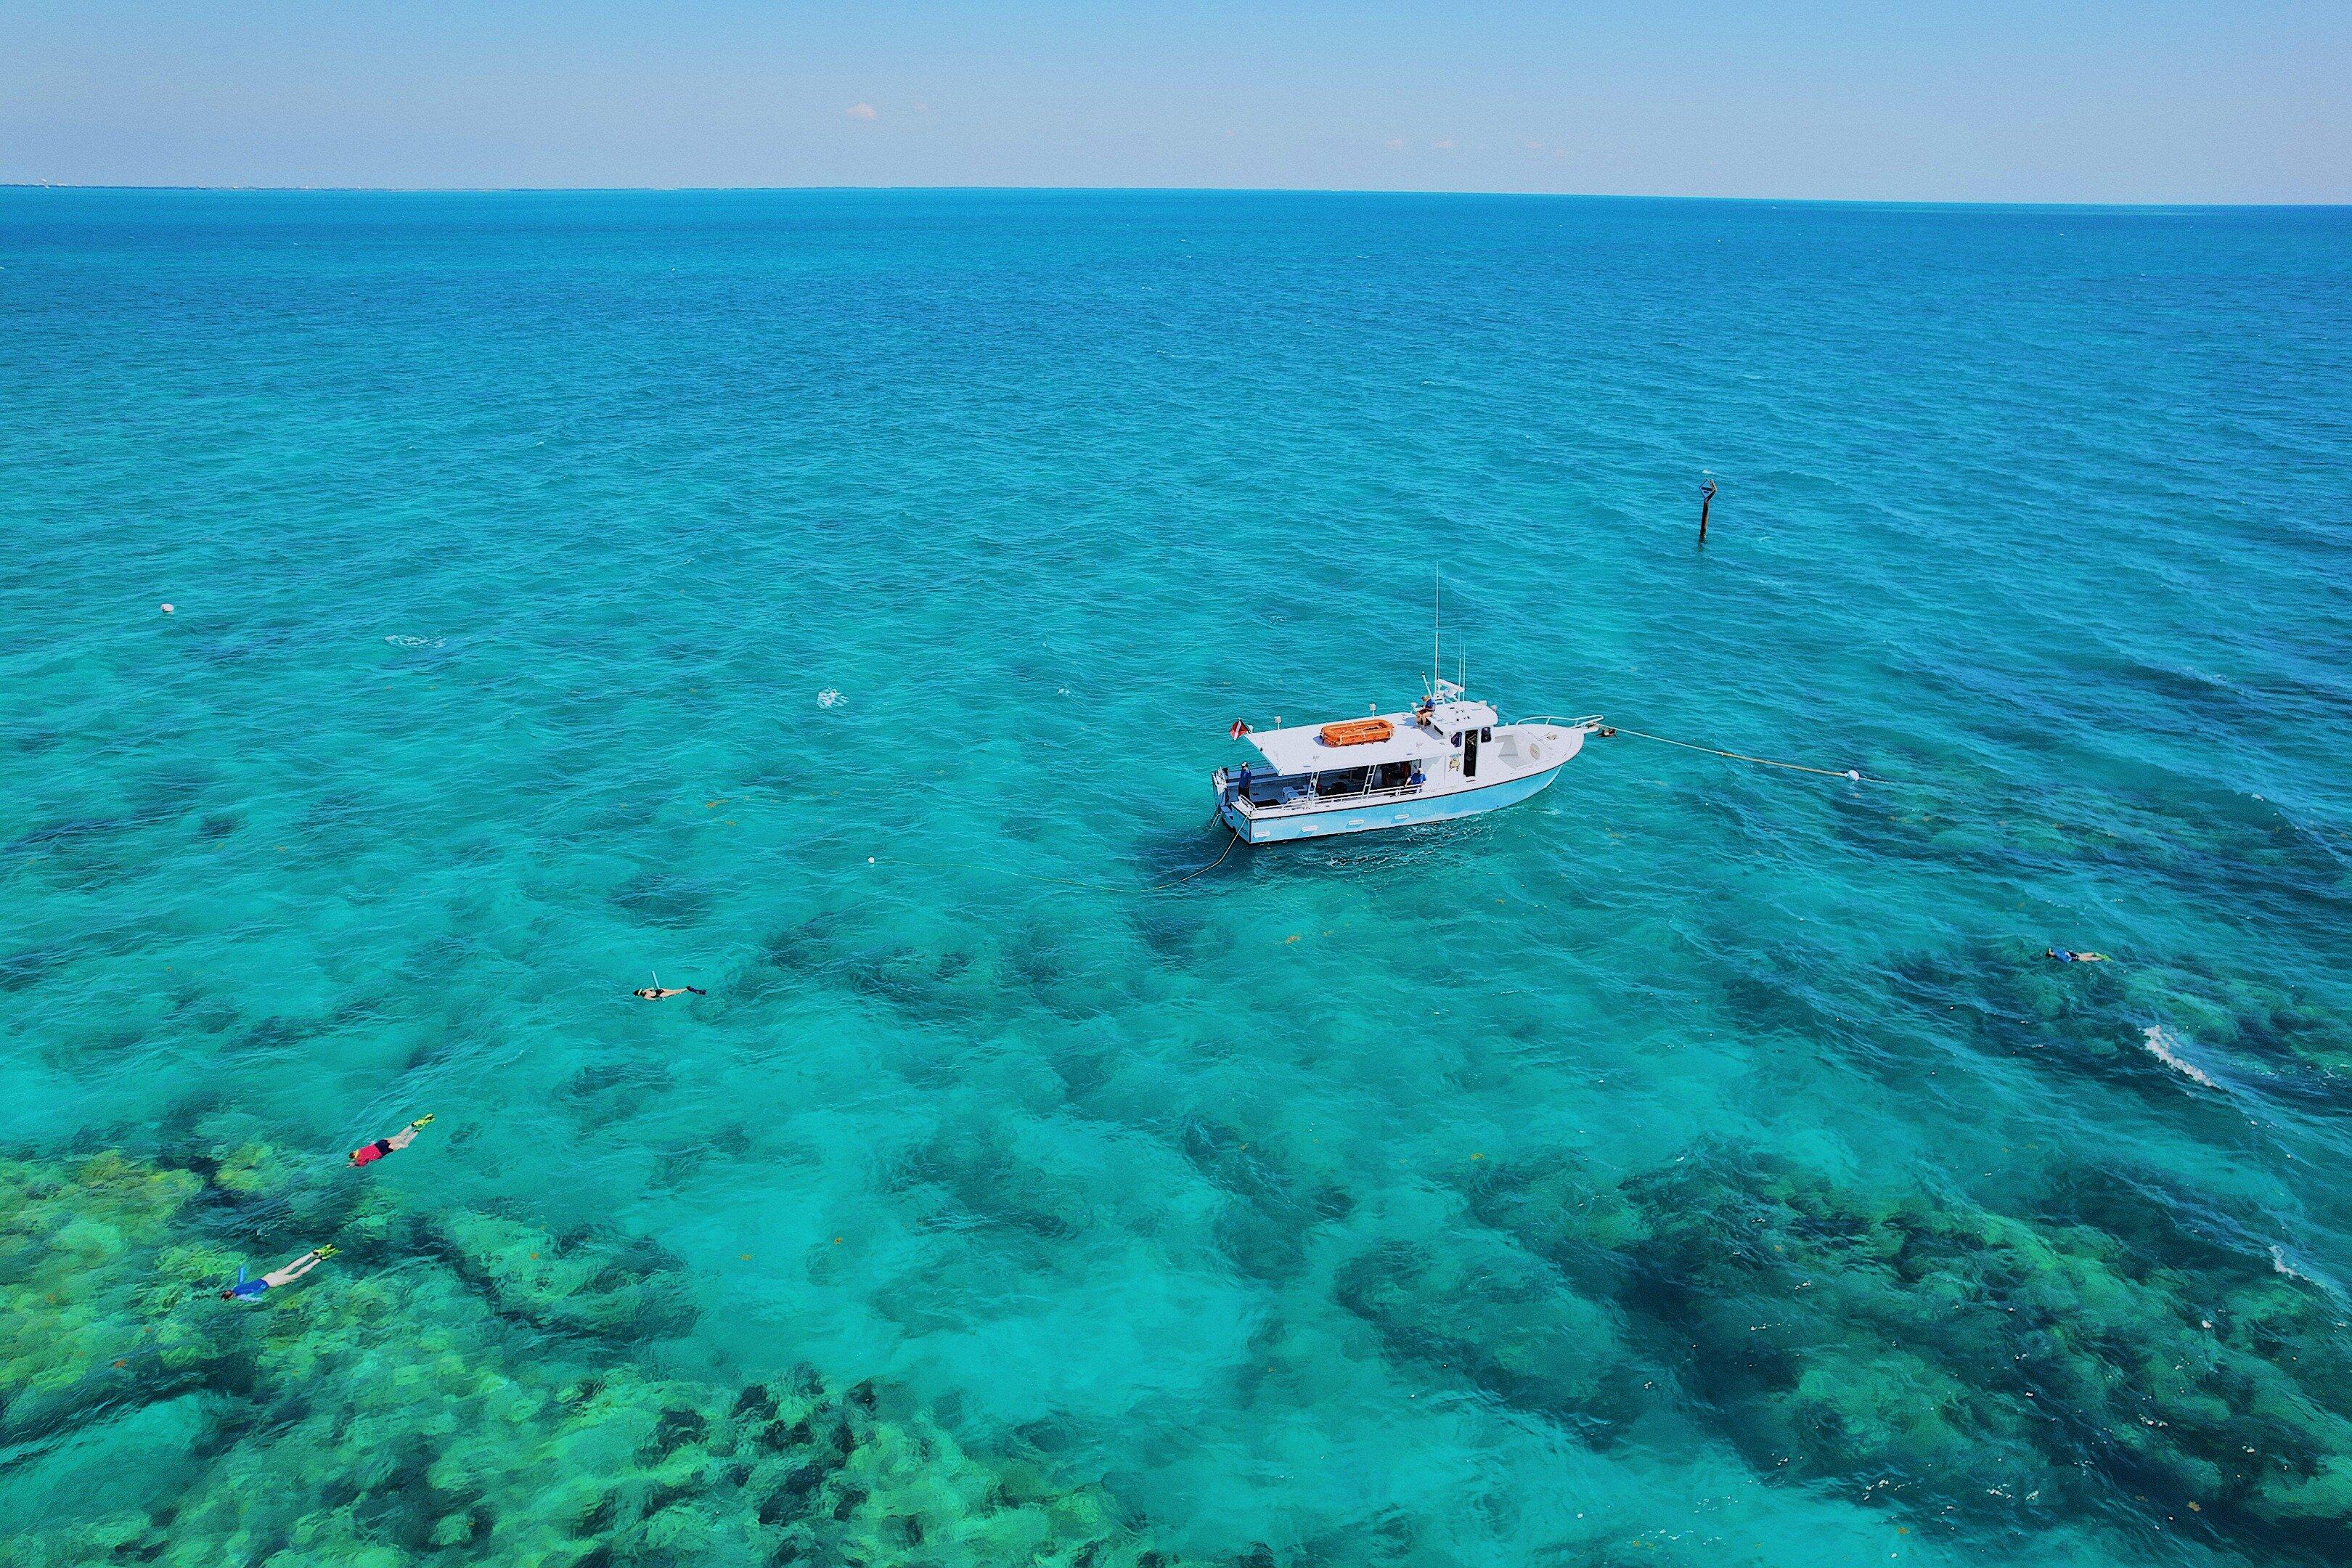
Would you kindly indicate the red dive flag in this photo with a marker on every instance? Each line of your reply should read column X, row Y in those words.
column 1241, row 728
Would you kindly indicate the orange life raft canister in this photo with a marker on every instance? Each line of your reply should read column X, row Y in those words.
column 1358, row 732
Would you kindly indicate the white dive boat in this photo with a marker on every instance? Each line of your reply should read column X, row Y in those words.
column 1449, row 757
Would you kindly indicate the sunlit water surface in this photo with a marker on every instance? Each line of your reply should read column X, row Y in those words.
column 1533, row 1190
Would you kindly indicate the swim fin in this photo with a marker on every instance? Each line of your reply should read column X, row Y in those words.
column 326, row 1251
column 422, row 1120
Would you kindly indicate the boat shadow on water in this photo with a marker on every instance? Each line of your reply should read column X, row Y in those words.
column 1213, row 856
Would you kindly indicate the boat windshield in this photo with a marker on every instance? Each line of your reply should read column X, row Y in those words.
column 1288, row 789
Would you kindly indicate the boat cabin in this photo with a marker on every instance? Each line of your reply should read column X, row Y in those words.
column 1387, row 754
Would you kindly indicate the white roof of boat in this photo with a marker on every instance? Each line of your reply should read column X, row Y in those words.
column 1301, row 748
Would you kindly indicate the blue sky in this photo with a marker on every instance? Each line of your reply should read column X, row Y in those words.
column 2165, row 101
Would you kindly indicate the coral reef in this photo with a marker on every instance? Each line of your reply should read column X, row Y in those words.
column 572, row 1283
column 458, row 1385
column 1507, row 1321
column 452, row 1387
column 2280, row 1029
column 1950, row 1352
column 2011, row 1001
column 92, row 1269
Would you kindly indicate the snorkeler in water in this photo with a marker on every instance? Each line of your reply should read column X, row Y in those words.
column 656, row 992
column 2064, row 956
column 252, row 1290
column 370, row 1154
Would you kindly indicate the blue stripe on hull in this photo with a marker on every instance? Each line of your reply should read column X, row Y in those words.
column 1389, row 814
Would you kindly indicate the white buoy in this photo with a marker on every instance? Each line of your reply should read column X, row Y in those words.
column 167, row 610
column 1854, row 776
column 869, row 859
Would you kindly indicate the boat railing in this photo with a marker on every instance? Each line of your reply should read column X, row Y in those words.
column 1584, row 721
column 1309, row 800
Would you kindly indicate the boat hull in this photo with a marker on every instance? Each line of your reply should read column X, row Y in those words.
column 1333, row 821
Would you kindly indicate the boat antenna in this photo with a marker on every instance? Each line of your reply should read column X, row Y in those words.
column 1436, row 603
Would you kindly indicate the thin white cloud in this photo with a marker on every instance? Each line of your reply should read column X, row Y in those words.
column 1396, row 143
column 861, row 111
column 1445, row 146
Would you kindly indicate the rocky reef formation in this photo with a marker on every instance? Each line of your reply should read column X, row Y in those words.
column 464, row 1385
column 2094, row 1018
column 452, row 1387
column 1941, row 1353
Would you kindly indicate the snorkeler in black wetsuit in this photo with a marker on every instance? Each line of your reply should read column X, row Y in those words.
column 657, row 992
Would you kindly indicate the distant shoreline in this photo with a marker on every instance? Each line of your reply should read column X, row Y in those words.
column 1343, row 191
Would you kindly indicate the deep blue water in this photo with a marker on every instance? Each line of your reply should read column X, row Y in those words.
column 1699, row 1163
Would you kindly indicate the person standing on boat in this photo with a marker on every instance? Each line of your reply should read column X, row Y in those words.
column 1244, row 782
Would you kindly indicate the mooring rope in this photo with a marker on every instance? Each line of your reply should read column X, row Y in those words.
column 1171, row 884
column 1743, row 757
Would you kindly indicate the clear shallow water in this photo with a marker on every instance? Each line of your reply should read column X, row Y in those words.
column 1404, row 1199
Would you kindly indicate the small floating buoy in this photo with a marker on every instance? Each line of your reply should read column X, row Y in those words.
column 1853, row 774
column 869, row 859
column 167, row 610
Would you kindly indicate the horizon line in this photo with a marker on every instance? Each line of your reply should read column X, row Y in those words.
column 1157, row 190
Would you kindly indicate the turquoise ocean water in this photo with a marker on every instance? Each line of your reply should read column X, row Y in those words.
column 1698, row 1165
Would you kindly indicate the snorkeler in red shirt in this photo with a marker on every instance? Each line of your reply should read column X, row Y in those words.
column 370, row 1154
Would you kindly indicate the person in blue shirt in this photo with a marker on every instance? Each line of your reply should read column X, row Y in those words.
column 253, row 1290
